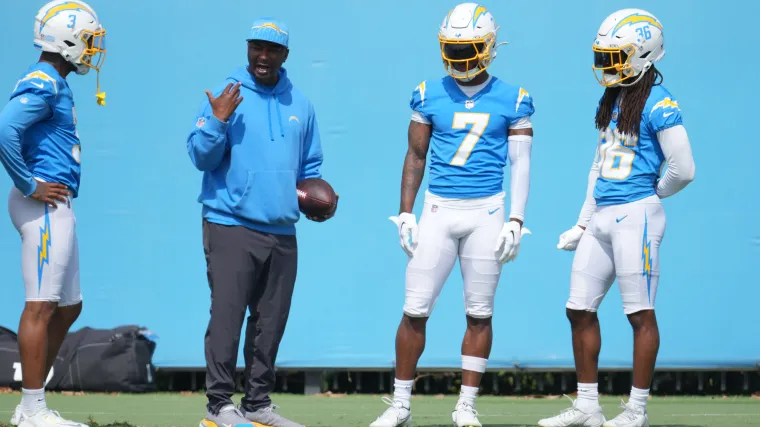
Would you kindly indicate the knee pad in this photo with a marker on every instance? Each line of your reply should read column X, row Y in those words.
column 581, row 304
column 418, row 306
column 423, row 287
column 586, row 291
column 69, row 302
column 478, row 306
column 638, row 292
column 481, row 278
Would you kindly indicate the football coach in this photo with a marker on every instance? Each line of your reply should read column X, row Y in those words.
column 254, row 140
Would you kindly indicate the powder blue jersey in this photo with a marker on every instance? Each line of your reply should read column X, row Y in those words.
column 38, row 135
column 468, row 144
column 630, row 166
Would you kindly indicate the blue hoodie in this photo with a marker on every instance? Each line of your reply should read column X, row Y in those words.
column 252, row 163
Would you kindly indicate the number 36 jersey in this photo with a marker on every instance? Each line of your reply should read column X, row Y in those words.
column 468, row 143
column 629, row 166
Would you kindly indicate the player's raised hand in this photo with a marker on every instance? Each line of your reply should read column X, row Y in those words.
column 408, row 231
column 50, row 192
column 508, row 243
column 226, row 103
column 568, row 240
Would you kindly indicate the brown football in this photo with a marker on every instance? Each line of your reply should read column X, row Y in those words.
column 316, row 198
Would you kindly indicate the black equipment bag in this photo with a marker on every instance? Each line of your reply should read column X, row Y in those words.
column 10, row 361
column 103, row 360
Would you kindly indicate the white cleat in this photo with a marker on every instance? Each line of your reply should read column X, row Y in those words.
column 632, row 416
column 16, row 417
column 396, row 416
column 574, row 417
column 47, row 418
column 465, row 415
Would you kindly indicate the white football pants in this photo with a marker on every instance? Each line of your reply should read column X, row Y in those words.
column 468, row 228
column 620, row 241
column 49, row 249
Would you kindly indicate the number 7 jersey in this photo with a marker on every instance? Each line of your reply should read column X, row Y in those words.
column 468, row 143
column 629, row 166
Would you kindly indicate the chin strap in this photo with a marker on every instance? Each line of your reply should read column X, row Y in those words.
column 100, row 96
column 641, row 74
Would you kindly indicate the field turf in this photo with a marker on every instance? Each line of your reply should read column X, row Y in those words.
column 175, row 409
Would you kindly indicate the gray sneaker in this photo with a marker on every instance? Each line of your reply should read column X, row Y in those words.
column 228, row 416
column 267, row 417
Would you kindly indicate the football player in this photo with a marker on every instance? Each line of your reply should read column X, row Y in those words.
column 622, row 222
column 40, row 150
column 468, row 123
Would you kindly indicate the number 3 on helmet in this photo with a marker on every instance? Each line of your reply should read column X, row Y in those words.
column 468, row 41
column 71, row 29
column 627, row 44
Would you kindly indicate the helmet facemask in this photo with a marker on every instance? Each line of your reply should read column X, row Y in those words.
column 612, row 65
column 94, row 53
column 465, row 59
column 93, row 56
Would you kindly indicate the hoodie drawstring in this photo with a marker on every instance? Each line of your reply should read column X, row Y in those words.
column 269, row 115
column 279, row 117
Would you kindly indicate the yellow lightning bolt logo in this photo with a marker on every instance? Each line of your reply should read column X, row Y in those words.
column 43, row 250
column 646, row 257
column 520, row 96
column 40, row 76
column 69, row 5
column 478, row 11
column 636, row 19
column 270, row 25
column 421, row 89
column 665, row 103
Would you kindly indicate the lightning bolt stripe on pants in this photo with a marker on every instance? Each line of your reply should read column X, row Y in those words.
column 43, row 250
column 646, row 257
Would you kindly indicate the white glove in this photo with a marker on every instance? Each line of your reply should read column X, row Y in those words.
column 570, row 238
column 407, row 230
column 509, row 237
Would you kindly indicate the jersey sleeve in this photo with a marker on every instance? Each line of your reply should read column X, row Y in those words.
column 417, row 103
column 664, row 115
column 39, row 84
column 18, row 116
column 523, row 106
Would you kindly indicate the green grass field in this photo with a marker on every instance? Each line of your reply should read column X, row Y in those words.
column 173, row 409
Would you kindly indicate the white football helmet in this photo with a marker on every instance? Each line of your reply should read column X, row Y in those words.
column 627, row 44
column 468, row 41
column 72, row 29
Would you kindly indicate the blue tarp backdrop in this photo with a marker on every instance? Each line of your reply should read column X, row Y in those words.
column 139, row 223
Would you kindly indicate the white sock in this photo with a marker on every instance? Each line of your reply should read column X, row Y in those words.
column 467, row 395
column 639, row 397
column 32, row 401
column 402, row 391
column 588, row 396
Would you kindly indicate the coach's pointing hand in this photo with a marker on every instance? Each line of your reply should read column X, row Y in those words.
column 49, row 192
column 227, row 102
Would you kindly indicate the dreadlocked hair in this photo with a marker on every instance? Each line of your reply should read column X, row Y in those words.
column 631, row 103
